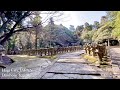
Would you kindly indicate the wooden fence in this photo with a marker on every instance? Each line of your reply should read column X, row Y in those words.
column 50, row 51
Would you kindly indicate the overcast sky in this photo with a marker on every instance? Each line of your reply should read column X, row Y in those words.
column 80, row 17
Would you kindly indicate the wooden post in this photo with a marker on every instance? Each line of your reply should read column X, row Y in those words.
column 51, row 50
column 108, row 42
column 93, row 50
column 62, row 50
column 41, row 52
column 54, row 51
column 45, row 51
column 48, row 51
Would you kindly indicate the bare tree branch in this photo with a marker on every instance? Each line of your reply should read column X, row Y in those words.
column 8, row 35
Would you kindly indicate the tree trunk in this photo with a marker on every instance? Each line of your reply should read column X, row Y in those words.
column 36, row 40
column 12, row 30
column 2, row 42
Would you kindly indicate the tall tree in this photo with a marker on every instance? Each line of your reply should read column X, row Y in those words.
column 72, row 28
column 36, row 21
column 79, row 30
column 96, row 25
column 111, row 15
column 88, row 27
column 104, row 19
column 116, row 30
column 15, row 21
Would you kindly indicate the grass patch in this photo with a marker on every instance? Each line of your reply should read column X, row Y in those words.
column 22, row 57
column 26, row 57
column 96, row 61
column 90, row 58
column 49, row 57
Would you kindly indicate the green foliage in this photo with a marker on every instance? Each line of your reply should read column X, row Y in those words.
column 107, row 28
column 116, row 30
column 95, row 35
column 90, row 33
column 96, row 25
column 103, row 35
column 12, row 42
column 103, row 32
column 87, row 35
column 104, row 20
column 111, row 15
column 88, row 27
column 80, row 28
column 58, row 35
column 36, row 20
column 52, row 33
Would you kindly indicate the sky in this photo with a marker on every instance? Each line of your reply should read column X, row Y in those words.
column 80, row 17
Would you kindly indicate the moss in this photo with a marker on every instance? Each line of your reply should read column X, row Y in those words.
column 90, row 58
column 21, row 57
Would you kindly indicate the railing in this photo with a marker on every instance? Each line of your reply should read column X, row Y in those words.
column 50, row 51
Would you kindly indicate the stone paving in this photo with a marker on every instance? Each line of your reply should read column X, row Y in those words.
column 67, row 66
column 73, row 66
column 25, row 69
column 115, row 57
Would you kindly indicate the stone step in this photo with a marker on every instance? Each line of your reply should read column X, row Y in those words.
column 70, row 76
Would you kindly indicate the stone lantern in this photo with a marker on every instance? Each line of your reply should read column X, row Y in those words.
column 4, row 60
